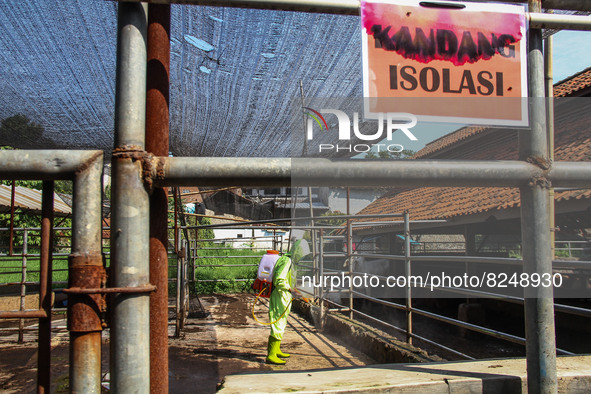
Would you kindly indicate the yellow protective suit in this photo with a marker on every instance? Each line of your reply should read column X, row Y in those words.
column 279, row 307
column 280, row 299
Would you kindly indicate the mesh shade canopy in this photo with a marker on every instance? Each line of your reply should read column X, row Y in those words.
column 235, row 75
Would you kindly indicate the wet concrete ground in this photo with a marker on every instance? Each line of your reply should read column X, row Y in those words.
column 226, row 341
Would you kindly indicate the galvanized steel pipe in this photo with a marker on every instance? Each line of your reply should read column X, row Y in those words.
column 44, row 164
column 348, row 7
column 221, row 171
column 213, row 171
column 538, row 20
column 535, row 232
column 85, row 340
column 130, row 355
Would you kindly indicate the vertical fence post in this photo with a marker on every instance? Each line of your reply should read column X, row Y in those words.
column 350, row 252
column 11, row 239
column 21, row 322
column 313, row 238
column 157, row 136
column 350, row 264
column 535, row 230
column 195, row 261
column 320, row 276
column 407, row 272
column 130, row 238
column 86, row 270
column 179, row 265
column 45, row 292
column 549, row 90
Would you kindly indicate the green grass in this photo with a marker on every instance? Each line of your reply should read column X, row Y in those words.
column 224, row 277
column 15, row 267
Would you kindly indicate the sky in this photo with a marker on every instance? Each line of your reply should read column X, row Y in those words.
column 572, row 53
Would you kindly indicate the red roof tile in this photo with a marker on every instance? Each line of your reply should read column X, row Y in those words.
column 573, row 84
column 573, row 143
column 567, row 87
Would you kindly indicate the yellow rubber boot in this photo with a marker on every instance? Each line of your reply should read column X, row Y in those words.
column 272, row 350
column 280, row 353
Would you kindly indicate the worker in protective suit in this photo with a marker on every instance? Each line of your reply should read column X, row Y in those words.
column 279, row 307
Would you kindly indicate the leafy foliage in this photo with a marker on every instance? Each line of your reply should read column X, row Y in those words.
column 24, row 219
column 20, row 132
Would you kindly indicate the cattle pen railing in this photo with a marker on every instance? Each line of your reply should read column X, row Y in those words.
column 322, row 263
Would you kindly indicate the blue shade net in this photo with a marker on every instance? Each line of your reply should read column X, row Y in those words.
column 235, row 75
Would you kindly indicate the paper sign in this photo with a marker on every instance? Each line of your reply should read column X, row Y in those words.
column 467, row 59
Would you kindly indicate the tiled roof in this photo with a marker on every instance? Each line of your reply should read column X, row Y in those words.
column 573, row 143
column 567, row 87
column 431, row 203
column 573, row 84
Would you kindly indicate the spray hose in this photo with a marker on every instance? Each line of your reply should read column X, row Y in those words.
column 283, row 314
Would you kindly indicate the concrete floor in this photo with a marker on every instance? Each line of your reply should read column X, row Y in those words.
column 505, row 376
column 229, row 341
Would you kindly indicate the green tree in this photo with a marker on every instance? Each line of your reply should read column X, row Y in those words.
column 26, row 219
column 20, row 132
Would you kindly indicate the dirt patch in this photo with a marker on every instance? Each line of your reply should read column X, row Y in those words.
column 226, row 341
column 229, row 341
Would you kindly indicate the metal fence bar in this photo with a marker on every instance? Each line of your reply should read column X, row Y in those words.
column 130, row 340
column 45, row 278
column 23, row 294
column 227, row 265
column 438, row 345
column 157, row 135
column 201, row 171
column 23, row 314
column 535, row 230
column 347, row 7
column 407, row 272
column 86, row 271
column 227, row 257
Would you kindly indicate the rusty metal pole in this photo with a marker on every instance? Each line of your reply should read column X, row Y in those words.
column 45, row 280
column 86, row 271
column 21, row 322
column 12, row 193
column 157, row 134
column 130, row 207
